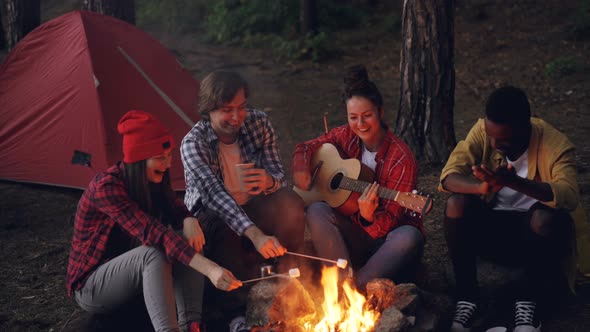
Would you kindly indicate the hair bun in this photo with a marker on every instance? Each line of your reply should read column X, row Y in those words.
column 356, row 77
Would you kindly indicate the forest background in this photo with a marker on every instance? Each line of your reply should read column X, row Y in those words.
column 295, row 76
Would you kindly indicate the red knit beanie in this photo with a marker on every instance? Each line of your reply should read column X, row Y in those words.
column 144, row 136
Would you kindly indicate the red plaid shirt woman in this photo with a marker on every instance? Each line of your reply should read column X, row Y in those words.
column 380, row 240
column 395, row 169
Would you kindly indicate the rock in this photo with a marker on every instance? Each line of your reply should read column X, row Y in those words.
column 280, row 305
column 392, row 320
column 426, row 321
column 432, row 307
column 406, row 298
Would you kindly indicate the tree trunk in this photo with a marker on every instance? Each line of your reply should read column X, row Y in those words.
column 2, row 39
column 121, row 9
column 308, row 22
column 19, row 17
column 427, row 91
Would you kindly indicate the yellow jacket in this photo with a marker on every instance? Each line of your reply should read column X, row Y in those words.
column 551, row 159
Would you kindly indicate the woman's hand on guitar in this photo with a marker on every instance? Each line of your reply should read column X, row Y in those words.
column 369, row 201
column 302, row 180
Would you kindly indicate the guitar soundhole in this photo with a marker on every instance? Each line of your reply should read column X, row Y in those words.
column 335, row 183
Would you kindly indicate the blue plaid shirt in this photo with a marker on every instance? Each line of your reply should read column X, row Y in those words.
column 203, row 174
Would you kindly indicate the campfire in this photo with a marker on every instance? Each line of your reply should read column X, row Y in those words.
column 285, row 305
column 348, row 313
column 279, row 302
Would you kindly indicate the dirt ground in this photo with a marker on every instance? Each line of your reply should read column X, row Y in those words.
column 496, row 43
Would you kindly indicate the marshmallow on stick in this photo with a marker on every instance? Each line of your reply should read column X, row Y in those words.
column 293, row 273
column 341, row 262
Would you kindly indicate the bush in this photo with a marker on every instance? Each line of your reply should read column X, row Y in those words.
column 392, row 23
column 171, row 16
column 581, row 26
column 263, row 23
column 562, row 66
column 250, row 18
column 335, row 15
column 312, row 47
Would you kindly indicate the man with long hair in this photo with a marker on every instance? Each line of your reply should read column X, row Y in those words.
column 247, row 215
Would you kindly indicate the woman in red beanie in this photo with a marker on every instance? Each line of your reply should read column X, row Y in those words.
column 125, row 243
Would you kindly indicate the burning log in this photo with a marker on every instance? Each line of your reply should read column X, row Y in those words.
column 279, row 305
column 380, row 294
column 383, row 293
column 284, row 305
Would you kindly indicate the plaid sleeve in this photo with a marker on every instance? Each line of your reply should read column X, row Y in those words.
column 301, row 158
column 112, row 199
column 211, row 190
column 398, row 173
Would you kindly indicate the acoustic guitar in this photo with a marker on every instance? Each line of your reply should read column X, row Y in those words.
column 339, row 182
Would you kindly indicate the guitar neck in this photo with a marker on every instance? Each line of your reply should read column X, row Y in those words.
column 359, row 186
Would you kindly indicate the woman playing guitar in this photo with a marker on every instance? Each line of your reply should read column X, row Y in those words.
column 380, row 239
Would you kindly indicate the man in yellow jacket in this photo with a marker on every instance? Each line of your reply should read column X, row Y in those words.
column 515, row 201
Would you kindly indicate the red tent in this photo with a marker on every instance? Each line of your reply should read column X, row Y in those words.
column 67, row 83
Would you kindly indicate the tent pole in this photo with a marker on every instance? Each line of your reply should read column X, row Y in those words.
column 156, row 88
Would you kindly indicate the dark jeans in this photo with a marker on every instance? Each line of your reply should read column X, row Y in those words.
column 537, row 240
column 280, row 214
column 393, row 256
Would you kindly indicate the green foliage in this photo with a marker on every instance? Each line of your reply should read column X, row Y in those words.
column 311, row 47
column 263, row 23
column 582, row 19
column 562, row 66
column 392, row 23
column 171, row 16
column 335, row 15
column 250, row 18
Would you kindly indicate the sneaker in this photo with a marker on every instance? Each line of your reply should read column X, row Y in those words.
column 238, row 324
column 463, row 319
column 525, row 320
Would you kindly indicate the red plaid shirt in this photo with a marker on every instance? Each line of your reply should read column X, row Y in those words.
column 395, row 169
column 103, row 205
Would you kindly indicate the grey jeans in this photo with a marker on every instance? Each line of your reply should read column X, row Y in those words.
column 146, row 270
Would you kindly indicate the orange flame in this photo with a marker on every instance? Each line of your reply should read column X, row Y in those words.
column 348, row 315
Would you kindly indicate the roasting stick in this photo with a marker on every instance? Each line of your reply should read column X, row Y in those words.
column 293, row 273
column 341, row 263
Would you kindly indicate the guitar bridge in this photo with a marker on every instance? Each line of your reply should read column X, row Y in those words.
column 314, row 173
